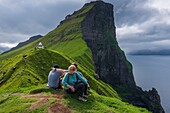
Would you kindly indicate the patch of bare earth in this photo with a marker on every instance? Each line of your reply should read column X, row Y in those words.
column 57, row 107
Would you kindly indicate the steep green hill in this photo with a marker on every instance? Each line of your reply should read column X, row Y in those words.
column 32, row 68
column 84, row 37
column 66, row 38
column 26, row 73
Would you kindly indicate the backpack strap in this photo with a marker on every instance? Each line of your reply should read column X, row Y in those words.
column 76, row 77
column 68, row 77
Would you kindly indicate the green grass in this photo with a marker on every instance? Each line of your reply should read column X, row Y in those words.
column 95, row 103
column 13, row 104
column 102, row 104
column 33, row 70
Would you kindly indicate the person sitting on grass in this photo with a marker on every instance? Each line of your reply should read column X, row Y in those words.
column 54, row 77
column 70, row 81
column 87, row 87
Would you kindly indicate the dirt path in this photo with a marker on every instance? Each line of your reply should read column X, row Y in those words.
column 57, row 107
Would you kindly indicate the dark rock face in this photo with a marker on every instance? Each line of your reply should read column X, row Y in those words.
column 110, row 62
column 99, row 33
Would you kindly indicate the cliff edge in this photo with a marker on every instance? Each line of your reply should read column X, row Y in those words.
column 110, row 62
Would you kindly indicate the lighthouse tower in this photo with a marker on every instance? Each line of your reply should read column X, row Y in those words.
column 40, row 46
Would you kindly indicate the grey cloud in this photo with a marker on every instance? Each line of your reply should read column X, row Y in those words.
column 29, row 19
column 12, row 37
column 148, row 19
column 32, row 17
column 130, row 12
column 152, row 32
column 22, row 19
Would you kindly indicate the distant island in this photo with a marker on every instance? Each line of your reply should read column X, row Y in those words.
column 151, row 52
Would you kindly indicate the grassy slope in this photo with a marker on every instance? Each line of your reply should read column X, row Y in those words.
column 67, row 39
column 96, row 103
column 33, row 70
column 45, row 58
column 63, row 38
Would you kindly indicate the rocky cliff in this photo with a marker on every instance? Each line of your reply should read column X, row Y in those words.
column 110, row 62
column 99, row 33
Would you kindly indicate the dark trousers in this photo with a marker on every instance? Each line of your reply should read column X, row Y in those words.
column 86, row 88
column 79, row 89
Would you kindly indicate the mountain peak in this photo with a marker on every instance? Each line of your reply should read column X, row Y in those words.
column 98, row 2
column 97, row 5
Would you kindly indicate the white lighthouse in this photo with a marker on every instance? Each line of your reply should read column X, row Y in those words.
column 40, row 46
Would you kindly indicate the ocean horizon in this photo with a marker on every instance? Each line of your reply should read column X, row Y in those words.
column 153, row 71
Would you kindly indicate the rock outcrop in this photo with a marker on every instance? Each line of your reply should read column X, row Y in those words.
column 99, row 33
column 110, row 62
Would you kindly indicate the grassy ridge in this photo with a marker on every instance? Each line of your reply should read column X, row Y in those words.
column 64, row 45
column 30, row 70
column 34, row 68
column 67, row 39
column 35, row 61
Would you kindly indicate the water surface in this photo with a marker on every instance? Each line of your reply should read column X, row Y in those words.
column 153, row 71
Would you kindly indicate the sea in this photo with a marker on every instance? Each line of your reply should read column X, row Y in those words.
column 153, row 71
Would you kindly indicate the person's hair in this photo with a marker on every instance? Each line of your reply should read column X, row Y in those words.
column 56, row 66
column 72, row 68
column 75, row 64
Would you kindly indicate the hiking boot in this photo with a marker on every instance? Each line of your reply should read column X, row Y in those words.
column 82, row 99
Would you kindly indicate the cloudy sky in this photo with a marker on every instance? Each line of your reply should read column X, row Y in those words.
column 141, row 24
